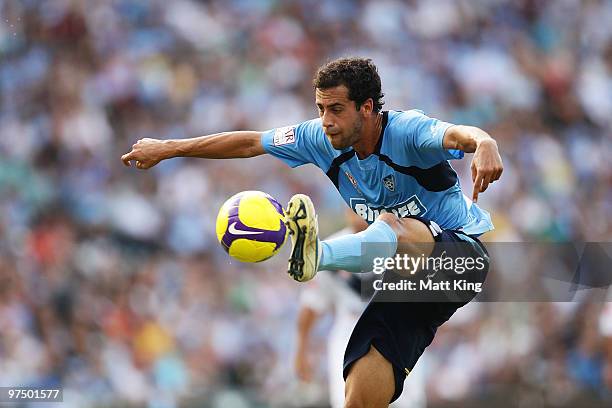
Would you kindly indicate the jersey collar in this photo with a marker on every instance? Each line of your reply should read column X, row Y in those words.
column 385, row 119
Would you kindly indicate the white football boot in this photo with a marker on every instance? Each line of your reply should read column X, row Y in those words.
column 301, row 220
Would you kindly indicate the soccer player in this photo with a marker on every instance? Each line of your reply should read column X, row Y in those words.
column 391, row 168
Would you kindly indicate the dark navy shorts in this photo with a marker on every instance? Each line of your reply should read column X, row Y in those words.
column 400, row 329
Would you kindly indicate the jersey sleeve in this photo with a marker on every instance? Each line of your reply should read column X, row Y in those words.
column 425, row 136
column 296, row 145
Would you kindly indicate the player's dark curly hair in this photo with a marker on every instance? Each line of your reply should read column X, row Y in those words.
column 359, row 75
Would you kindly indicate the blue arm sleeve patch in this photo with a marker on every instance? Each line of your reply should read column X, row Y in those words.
column 297, row 145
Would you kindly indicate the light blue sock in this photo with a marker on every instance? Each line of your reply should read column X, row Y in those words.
column 344, row 253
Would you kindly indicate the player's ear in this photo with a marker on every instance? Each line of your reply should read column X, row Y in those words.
column 367, row 107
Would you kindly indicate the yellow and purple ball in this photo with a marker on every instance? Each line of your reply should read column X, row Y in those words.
column 251, row 226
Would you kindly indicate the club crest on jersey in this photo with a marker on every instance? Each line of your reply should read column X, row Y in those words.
column 389, row 182
column 412, row 206
column 284, row 135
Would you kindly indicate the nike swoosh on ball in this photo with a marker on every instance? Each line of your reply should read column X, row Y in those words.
column 232, row 230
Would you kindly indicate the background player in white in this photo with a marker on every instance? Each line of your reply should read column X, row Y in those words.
column 339, row 293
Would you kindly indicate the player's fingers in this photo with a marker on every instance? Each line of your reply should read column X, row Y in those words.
column 499, row 173
column 144, row 165
column 493, row 176
column 488, row 178
column 126, row 158
column 474, row 172
column 485, row 184
column 477, row 185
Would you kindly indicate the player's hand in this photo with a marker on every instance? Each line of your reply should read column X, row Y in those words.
column 303, row 368
column 486, row 166
column 146, row 153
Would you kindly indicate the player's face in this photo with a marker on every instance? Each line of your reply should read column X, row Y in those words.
column 341, row 120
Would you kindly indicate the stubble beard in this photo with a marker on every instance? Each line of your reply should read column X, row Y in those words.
column 353, row 137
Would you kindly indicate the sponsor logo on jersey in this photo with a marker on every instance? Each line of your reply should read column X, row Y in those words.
column 284, row 135
column 412, row 206
column 389, row 182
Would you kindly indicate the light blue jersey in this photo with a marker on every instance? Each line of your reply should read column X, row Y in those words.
column 408, row 173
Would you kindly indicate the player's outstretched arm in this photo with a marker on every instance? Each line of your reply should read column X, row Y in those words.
column 487, row 164
column 146, row 153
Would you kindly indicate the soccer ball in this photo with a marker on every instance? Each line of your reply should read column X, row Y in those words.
column 251, row 226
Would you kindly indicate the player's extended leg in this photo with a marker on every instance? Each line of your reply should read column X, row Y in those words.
column 386, row 233
column 345, row 253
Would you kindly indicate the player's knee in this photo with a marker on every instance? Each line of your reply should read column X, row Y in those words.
column 407, row 229
column 415, row 231
column 390, row 219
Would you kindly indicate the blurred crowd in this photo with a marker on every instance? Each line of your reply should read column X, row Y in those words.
column 111, row 282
